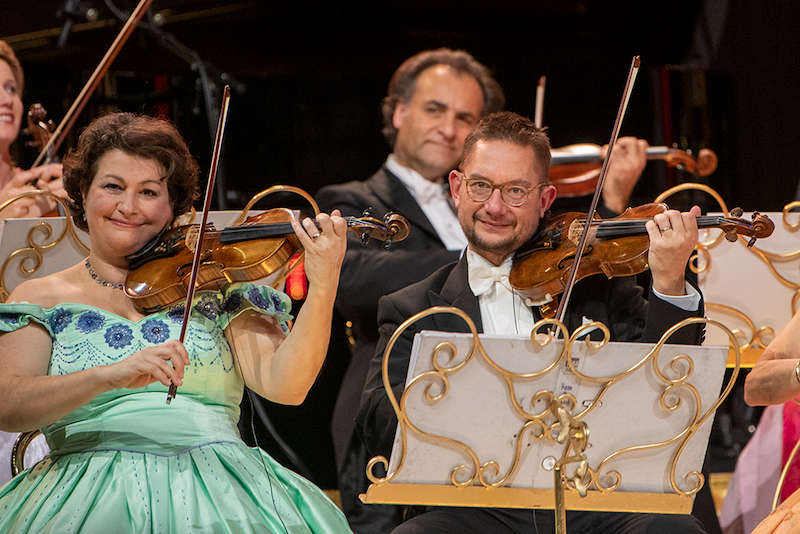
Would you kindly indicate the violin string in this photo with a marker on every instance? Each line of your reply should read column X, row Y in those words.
column 611, row 229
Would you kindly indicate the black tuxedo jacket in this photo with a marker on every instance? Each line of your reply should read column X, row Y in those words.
column 618, row 303
column 371, row 271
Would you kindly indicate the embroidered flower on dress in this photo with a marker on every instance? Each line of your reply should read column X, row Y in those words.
column 155, row 331
column 90, row 321
column 59, row 320
column 209, row 306
column 276, row 301
column 176, row 314
column 119, row 336
column 255, row 296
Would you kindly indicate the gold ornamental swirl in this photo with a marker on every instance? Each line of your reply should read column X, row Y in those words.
column 560, row 421
column 768, row 258
column 40, row 239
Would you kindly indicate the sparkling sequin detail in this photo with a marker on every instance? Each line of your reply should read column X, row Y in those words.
column 90, row 321
column 119, row 336
column 60, row 320
column 155, row 331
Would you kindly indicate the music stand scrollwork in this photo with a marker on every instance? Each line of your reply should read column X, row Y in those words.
column 577, row 484
column 752, row 344
column 41, row 237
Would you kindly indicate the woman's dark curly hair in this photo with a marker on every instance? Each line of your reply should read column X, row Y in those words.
column 138, row 135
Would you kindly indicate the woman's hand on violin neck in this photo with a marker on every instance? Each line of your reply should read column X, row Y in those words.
column 628, row 160
column 160, row 363
column 44, row 178
column 325, row 243
column 673, row 236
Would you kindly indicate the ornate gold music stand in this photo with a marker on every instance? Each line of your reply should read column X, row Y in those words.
column 764, row 275
column 553, row 393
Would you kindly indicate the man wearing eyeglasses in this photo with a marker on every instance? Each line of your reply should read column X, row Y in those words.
column 433, row 100
column 501, row 193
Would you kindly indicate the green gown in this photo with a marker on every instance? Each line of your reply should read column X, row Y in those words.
column 128, row 462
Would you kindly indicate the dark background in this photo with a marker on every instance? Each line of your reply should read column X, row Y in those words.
column 308, row 80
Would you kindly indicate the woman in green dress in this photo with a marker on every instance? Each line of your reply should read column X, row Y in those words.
column 79, row 362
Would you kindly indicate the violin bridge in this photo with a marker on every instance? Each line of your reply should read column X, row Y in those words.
column 191, row 238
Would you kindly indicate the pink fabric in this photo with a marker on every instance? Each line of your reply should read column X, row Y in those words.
column 750, row 491
column 791, row 434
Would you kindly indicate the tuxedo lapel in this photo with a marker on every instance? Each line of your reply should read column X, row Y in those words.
column 456, row 292
column 391, row 191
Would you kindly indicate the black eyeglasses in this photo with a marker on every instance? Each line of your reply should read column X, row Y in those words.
column 480, row 190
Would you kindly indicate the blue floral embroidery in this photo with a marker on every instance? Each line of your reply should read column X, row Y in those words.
column 155, row 331
column 10, row 318
column 176, row 314
column 232, row 302
column 60, row 320
column 276, row 301
column 209, row 306
column 255, row 296
column 90, row 321
column 119, row 336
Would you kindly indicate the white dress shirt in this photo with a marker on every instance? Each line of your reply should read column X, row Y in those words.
column 433, row 198
column 503, row 311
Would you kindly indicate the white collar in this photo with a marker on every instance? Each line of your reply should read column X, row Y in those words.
column 421, row 189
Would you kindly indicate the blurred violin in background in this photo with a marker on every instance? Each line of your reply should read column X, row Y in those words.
column 41, row 129
column 574, row 169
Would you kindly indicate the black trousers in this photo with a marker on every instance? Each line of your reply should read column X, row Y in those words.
column 508, row 521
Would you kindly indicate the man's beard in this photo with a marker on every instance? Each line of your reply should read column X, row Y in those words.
column 503, row 247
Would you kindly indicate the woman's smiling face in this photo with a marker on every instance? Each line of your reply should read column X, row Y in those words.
column 127, row 203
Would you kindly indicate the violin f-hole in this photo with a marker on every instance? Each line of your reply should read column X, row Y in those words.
column 562, row 262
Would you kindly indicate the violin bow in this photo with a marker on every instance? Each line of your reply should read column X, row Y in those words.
column 573, row 272
column 58, row 136
column 538, row 107
column 212, row 174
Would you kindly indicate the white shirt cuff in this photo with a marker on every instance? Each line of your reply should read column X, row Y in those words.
column 688, row 302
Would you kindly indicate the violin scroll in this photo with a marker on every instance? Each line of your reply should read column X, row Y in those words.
column 392, row 228
column 759, row 227
column 39, row 126
column 706, row 162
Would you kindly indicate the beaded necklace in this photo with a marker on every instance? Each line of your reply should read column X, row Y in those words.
column 96, row 278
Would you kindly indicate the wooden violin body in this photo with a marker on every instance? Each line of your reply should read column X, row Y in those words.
column 260, row 248
column 616, row 247
column 574, row 169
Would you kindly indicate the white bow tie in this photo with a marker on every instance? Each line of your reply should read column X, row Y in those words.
column 482, row 278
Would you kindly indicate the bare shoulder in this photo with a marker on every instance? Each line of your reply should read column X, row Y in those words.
column 48, row 291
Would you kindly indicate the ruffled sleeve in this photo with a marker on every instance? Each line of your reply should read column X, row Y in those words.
column 18, row 314
column 237, row 298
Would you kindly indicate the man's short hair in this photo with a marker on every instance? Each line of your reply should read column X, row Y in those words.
column 7, row 54
column 508, row 126
column 404, row 79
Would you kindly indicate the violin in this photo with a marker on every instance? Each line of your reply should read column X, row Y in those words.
column 574, row 169
column 40, row 128
column 261, row 247
column 615, row 247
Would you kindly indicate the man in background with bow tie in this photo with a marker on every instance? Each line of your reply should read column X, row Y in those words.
column 434, row 99
column 501, row 192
